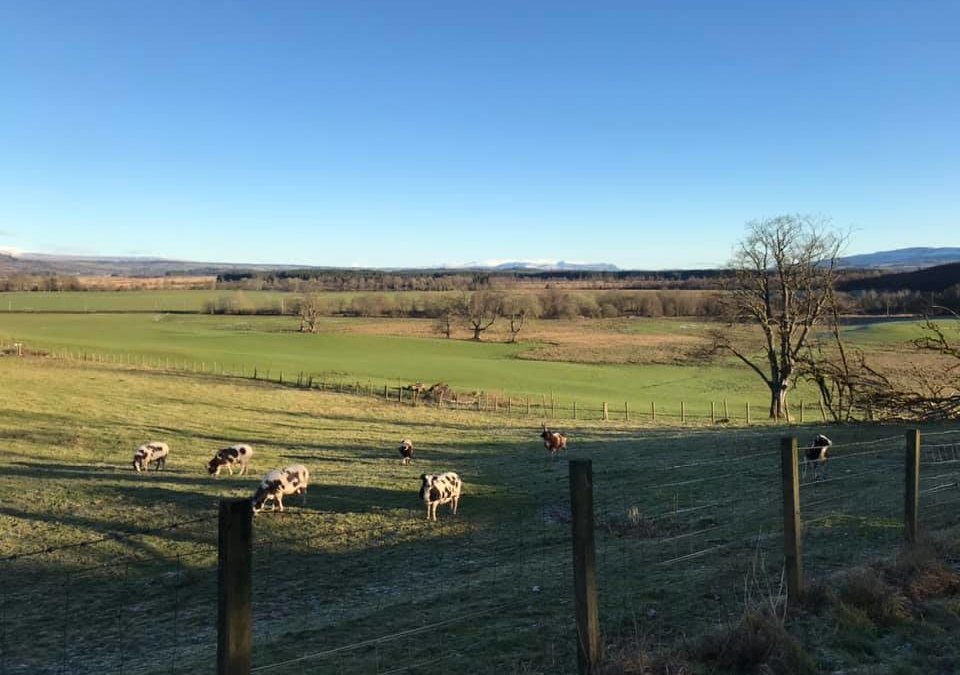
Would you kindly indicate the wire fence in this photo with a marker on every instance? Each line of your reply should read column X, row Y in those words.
column 683, row 543
column 538, row 406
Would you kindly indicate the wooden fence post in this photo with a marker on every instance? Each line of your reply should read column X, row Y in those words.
column 748, row 412
column 801, row 411
column 911, row 511
column 683, row 413
column 606, row 415
column 235, row 583
column 791, row 519
column 726, row 412
column 713, row 413
column 626, row 412
column 653, row 411
column 584, row 567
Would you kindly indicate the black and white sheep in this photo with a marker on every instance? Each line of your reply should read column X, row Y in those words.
column 440, row 489
column 149, row 453
column 290, row 480
column 406, row 451
column 815, row 456
column 236, row 455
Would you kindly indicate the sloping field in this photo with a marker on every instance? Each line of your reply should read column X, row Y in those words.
column 272, row 343
column 356, row 581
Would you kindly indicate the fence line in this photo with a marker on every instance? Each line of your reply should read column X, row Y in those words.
column 478, row 580
column 534, row 405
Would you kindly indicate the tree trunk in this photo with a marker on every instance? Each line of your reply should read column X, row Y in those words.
column 476, row 332
column 778, row 402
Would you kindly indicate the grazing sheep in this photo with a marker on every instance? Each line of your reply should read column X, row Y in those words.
column 406, row 451
column 815, row 456
column 553, row 441
column 441, row 489
column 290, row 480
column 148, row 453
column 228, row 457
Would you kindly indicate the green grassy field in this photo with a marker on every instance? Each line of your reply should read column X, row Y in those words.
column 272, row 343
column 357, row 581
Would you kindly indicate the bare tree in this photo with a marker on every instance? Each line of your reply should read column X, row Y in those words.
column 482, row 310
column 448, row 313
column 918, row 392
column 784, row 272
column 311, row 308
column 837, row 371
column 518, row 307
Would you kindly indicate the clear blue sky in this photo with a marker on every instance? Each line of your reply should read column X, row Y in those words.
column 640, row 133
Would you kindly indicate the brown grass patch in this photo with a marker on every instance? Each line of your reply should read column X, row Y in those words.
column 759, row 643
column 110, row 283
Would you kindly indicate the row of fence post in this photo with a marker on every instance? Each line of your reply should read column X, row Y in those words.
column 236, row 552
column 589, row 643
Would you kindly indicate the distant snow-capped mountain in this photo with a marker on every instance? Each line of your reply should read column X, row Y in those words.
column 535, row 266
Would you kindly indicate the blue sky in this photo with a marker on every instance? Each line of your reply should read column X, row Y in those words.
column 645, row 134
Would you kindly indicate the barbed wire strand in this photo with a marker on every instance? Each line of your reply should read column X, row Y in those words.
column 118, row 536
column 381, row 639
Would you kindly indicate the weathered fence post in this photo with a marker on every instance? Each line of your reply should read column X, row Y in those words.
column 606, row 414
column 801, row 411
column 911, row 511
column 235, row 581
column 791, row 519
column 726, row 412
column 626, row 412
column 653, row 411
column 748, row 412
column 584, row 567
column 713, row 413
column 683, row 413
column 386, row 395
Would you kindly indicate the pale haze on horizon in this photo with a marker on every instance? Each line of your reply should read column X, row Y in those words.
column 388, row 134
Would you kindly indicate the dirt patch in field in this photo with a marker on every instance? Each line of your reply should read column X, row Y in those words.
column 576, row 341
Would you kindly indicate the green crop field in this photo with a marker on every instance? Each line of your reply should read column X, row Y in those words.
column 357, row 581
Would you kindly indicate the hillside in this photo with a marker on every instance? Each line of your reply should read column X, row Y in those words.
column 931, row 279
column 903, row 258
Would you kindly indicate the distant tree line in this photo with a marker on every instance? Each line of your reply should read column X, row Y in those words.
column 552, row 303
column 40, row 282
column 452, row 280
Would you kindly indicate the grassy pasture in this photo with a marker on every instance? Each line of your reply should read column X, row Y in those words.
column 272, row 343
column 633, row 361
column 684, row 515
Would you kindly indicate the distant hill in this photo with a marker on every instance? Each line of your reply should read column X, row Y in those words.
column 537, row 266
column 903, row 258
column 930, row 279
